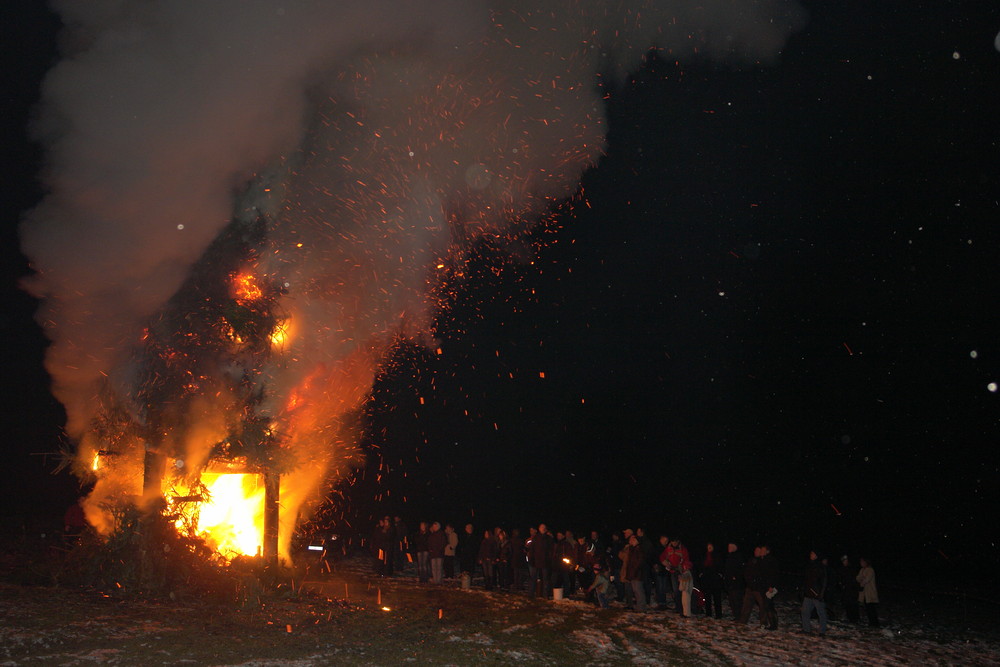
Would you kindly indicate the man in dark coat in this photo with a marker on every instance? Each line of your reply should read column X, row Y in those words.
column 754, row 593
column 563, row 558
column 710, row 578
column 437, row 540
column 849, row 589
column 632, row 571
column 383, row 543
column 733, row 581
column 489, row 554
column 769, row 573
column 813, row 593
column 540, row 548
column 649, row 553
column 468, row 550
column 402, row 534
column 423, row 552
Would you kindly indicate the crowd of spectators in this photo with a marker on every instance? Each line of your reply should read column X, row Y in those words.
column 627, row 568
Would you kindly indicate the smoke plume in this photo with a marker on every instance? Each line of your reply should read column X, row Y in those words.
column 373, row 141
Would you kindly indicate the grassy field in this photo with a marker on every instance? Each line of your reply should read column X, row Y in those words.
column 349, row 619
column 355, row 618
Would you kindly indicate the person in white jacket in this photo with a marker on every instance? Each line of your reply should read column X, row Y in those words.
column 868, row 596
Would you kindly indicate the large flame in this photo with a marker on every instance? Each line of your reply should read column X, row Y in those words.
column 230, row 514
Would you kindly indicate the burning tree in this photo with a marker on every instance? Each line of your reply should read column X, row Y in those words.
column 194, row 423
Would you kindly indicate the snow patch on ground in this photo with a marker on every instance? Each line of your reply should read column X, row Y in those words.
column 477, row 638
column 596, row 644
column 514, row 628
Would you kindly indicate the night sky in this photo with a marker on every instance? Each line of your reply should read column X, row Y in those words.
column 768, row 313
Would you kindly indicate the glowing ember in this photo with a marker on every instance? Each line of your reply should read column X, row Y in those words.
column 246, row 288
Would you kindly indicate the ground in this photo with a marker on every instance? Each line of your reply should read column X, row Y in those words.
column 353, row 617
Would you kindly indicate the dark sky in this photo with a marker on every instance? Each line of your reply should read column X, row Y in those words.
column 772, row 315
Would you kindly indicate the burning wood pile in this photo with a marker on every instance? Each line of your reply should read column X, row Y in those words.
column 195, row 444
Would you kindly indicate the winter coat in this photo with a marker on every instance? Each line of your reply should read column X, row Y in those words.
column 814, row 585
column 710, row 575
column 648, row 551
column 504, row 552
column 489, row 550
column 866, row 580
column 540, row 551
column 732, row 572
column 468, row 551
column 585, row 556
column 518, row 555
column 768, row 572
column 437, row 540
column 452, row 545
column 420, row 541
column 675, row 558
column 631, row 563
column 565, row 550
column 601, row 584
column 752, row 577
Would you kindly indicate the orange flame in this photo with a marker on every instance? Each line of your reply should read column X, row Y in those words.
column 282, row 333
column 246, row 287
column 231, row 517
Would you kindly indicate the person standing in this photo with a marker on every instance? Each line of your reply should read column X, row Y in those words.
column 632, row 572
column 468, row 551
column 451, row 547
column 599, row 548
column 813, row 594
column 503, row 558
column 754, row 593
column 437, row 542
column 661, row 577
column 540, row 548
column 614, row 551
column 733, row 581
column 849, row 589
column 389, row 546
column 381, row 547
column 685, row 582
column 675, row 556
column 769, row 575
column 403, row 547
column 710, row 578
column 564, row 553
column 488, row 554
column 585, row 562
column 868, row 596
column 423, row 554
column 332, row 551
column 649, row 558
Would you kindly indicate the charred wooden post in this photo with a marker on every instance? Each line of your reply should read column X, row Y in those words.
column 271, row 499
